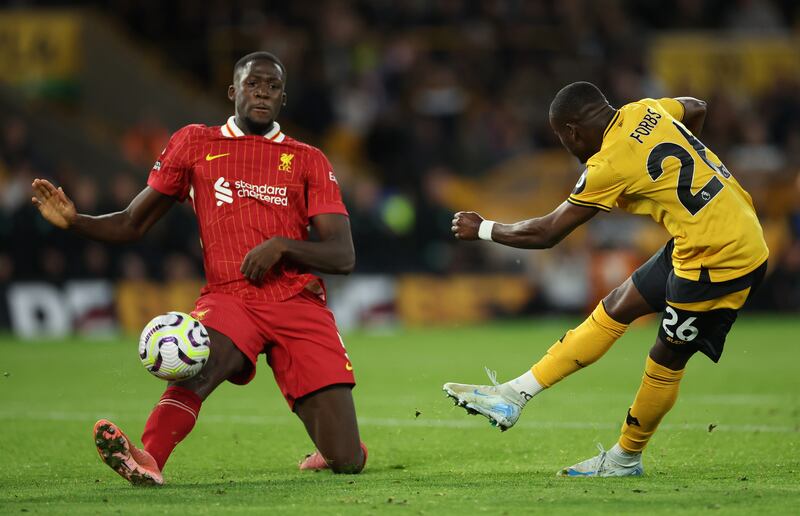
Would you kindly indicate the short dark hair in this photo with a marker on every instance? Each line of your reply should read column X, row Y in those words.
column 572, row 100
column 257, row 56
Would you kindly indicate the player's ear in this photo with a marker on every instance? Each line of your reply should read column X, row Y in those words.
column 283, row 99
column 231, row 92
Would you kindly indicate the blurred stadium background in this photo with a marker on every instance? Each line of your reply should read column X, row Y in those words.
column 424, row 108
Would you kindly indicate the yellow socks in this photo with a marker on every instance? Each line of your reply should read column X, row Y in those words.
column 579, row 347
column 586, row 344
column 656, row 396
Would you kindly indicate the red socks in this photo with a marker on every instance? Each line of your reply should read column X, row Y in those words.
column 170, row 422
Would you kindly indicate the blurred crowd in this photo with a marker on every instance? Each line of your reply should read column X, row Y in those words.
column 32, row 249
column 404, row 96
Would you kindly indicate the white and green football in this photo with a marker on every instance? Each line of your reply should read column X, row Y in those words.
column 174, row 346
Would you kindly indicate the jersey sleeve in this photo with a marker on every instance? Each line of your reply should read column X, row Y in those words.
column 673, row 107
column 324, row 195
column 598, row 187
column 170, row 174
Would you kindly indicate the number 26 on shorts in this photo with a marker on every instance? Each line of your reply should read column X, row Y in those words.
column 685, row 331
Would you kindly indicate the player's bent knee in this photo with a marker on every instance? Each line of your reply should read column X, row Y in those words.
column 346, row 461
column 625, row 303
column 348, row 470
column 347, row 465
column 613, row 303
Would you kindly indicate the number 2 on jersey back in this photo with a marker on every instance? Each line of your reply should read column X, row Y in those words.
column 692, row 202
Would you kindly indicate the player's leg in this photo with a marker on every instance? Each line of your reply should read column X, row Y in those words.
column 171, row 420
column 586, row 343
column 641, row 294
column 657, row 394
column 578, row 348
column 698, row 318
column 329, row 416
column 315, row 375
column 176, row 412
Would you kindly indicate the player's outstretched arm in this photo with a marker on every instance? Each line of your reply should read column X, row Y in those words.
column 120, row 227
column 694, row 114
column 538, row 233
column 333, row 253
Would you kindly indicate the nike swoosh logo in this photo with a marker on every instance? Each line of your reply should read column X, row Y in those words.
column 505, row 409
column 210, row 157
column 476, row 392
column 348, row 366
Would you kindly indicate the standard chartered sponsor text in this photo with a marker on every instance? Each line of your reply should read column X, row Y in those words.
column 265, row 193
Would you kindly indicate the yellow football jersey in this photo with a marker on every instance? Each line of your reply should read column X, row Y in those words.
column 650, row 164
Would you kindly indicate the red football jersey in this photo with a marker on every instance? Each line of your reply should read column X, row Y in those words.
column 245, row 190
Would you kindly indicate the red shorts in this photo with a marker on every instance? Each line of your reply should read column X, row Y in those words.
column 298, row 335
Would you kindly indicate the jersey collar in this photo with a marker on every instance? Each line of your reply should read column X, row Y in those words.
column 231, row 130
column 611, row 123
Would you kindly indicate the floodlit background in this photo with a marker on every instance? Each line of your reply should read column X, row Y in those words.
column 424, row 108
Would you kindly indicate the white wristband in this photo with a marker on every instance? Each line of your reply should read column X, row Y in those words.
column 485, row 230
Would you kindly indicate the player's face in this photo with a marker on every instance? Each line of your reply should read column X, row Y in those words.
column 258, row 93
column 570, row 137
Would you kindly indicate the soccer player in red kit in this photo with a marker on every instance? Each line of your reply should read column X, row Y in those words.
column 255, row 191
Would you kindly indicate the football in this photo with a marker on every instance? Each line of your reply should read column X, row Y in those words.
column 174, row 346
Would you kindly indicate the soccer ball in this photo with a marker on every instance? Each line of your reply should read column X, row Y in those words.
column 174, row 346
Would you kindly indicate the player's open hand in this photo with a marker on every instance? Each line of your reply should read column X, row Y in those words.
column 261, row 259
column 466, row 225
column 53, row 203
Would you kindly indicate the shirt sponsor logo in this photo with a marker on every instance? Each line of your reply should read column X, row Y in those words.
column 286, row 162
column 266, row 193
column 222, row 192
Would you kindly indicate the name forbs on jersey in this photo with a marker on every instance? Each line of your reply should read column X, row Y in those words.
column 265, row 193
column 646, row 126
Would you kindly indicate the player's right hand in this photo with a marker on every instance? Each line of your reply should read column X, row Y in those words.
column 466, row 225
column 53, row 203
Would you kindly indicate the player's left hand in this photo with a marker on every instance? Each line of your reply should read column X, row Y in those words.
column 466, row 225
column 262, row 258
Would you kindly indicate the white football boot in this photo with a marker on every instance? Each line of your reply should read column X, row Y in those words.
column 500, row 404
column 605, row 464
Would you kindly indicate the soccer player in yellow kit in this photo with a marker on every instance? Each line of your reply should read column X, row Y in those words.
column 645, row 159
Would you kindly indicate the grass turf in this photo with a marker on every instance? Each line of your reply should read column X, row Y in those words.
column 425, row 455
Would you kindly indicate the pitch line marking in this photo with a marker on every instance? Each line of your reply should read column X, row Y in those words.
column 393, row 422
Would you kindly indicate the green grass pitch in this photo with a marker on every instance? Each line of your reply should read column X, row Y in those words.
column 426, row 456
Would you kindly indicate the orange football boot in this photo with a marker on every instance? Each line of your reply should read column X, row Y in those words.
column 317, row 462
column 134, row 465
column 314, row 461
